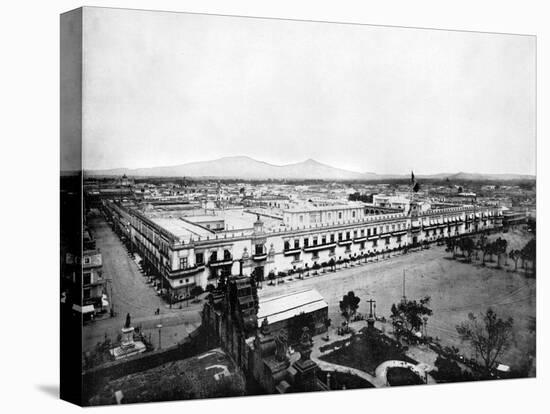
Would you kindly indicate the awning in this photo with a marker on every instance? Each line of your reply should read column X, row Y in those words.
column 84, row 309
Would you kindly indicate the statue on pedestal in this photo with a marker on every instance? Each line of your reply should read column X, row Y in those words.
column 305, row 345
column 281, row 347
column 264, row 328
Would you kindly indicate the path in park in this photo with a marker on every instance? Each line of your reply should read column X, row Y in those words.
column 379, row 379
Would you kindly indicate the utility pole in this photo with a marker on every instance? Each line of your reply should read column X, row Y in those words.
column 159, row 326
column 404, row 298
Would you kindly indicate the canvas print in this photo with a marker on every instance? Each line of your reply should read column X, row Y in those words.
column 257, row 206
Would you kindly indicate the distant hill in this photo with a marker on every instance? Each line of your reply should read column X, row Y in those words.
column 250, row 169
column 240, row 167
column 483, row 177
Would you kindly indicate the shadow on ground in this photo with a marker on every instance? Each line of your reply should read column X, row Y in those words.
column 49, row 389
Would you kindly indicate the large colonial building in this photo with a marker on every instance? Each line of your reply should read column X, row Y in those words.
column 189, row 251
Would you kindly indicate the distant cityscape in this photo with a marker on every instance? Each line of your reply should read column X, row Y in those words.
column 237, row 268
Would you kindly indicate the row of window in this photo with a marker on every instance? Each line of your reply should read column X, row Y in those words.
column 316, row 217
column 332, row 250
column 343, row 236
column 199, row 258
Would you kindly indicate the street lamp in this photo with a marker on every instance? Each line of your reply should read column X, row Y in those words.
column 159, row 326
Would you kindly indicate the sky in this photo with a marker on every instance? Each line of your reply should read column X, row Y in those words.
column 163, row 89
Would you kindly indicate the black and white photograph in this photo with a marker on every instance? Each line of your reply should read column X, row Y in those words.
column 274, row 206
column 288, row 206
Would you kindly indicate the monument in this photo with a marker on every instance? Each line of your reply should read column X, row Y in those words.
column 128, row 346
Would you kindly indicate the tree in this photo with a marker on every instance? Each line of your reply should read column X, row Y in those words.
column 515, row 255
column 499, row 248
column 332, row 264
column 529, row 253
column 467, row 245
column 479, row 247
column 451, row 244
column 328, row 321
column 410, row 313
column 488, row 249
column 488, row 334
column 349, row 305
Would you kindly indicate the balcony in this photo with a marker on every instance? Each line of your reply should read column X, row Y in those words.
column 291, row 252
column 319, row 247
column 258, row 257
column 399, row 233
column 360, row 239
column 373, row 237
column 223, row 262
column 345, row 242
column 185, row 272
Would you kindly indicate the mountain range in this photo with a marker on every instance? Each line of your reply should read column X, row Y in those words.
column 250, row 169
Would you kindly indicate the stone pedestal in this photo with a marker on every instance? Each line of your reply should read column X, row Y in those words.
column 305, row 375
column 127, row 338
column 370, row 322
column 128, row 346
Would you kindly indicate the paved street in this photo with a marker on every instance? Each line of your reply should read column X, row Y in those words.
column 130, row 294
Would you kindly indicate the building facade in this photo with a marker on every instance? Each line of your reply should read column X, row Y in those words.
column 306, row 238
column 93, row 282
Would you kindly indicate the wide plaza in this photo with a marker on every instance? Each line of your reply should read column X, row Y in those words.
column 455, row 288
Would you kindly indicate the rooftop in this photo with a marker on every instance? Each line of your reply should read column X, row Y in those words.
column 305, row 209
column 283, row 307
column 181, row 229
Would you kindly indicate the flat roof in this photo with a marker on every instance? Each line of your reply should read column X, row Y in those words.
column 203, row 218
column 307, row 209
column 238, row 219
column 288, row 305
column 180, row 228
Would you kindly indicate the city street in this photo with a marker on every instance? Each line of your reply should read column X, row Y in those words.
column 131, row 294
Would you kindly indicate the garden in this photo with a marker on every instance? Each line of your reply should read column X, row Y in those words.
column 365, row 351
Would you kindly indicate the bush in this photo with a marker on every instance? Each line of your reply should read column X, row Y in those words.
column 210, row 287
